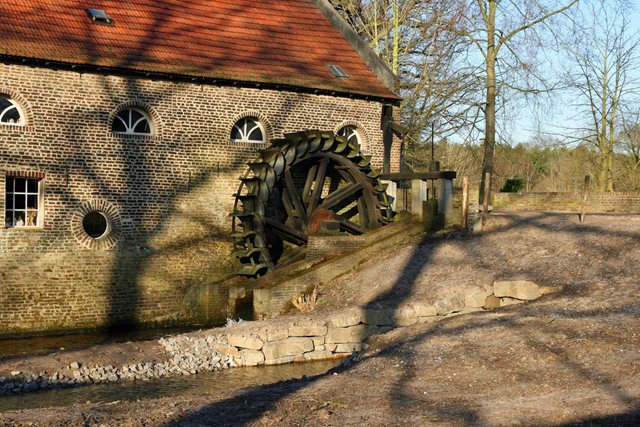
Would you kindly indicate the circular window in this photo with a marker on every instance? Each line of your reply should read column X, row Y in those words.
column 95, row 224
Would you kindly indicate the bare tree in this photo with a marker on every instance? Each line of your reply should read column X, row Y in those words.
column 604, row 52
column 507, row 34
column 418, row 40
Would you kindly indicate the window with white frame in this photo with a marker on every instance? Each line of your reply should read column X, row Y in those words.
column 23, row 201
column 132, row 121
column 10, row 113
column 248, row 130
column 353, row 136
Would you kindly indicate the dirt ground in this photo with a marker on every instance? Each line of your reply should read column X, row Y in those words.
column 568, row 358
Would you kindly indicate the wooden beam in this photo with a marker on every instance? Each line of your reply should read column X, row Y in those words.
column 418, row 175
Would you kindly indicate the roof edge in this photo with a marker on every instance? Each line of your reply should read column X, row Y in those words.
column 213, row 81
column 372, row 60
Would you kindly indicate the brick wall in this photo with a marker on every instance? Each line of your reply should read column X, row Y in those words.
column 168, row 195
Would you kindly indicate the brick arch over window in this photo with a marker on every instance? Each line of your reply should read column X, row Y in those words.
column 114, row 227
column 266, row 125
column 23, row 104
column 138, row 105
column 356, row 126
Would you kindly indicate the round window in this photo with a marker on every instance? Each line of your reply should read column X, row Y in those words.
column 95, row 224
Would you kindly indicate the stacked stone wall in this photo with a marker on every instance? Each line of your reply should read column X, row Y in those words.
column 330, row 335
column 169, row 194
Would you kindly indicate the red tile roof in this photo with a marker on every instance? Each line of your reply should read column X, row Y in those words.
column 266, row 41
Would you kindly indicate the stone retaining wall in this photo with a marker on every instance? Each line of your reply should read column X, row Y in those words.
column 331, row 335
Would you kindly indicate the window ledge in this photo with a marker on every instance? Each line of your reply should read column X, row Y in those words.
column 23, row 228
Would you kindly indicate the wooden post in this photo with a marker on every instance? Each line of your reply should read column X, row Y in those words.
column 585, row 197
column 465, row 200
column 485, row 203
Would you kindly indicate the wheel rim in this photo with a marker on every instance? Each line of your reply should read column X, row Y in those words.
column 292, row 187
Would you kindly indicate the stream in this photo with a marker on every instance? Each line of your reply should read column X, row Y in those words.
column 208, row 382
column 43, row 344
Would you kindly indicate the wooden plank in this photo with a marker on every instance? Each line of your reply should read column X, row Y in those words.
column 418, row 175
column 465, row 200
column 585, row 197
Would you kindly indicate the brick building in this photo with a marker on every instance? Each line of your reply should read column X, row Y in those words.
column 124, row 127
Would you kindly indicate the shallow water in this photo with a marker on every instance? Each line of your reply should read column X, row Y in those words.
column 75, row 341
column 209, row 382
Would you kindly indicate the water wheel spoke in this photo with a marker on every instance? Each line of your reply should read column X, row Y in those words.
column 295, row 199
column 319, row 185
column 350, row 226
column 286, row 230
column 291, row 210
column 306, row 193
column 341, row 194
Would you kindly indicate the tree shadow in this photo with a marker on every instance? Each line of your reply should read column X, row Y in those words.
column 403, row 399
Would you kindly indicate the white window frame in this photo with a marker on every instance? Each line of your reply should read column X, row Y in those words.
column 39, row 193
column 352, row 134
column 241, row 126
column 129, row 127
column 10, row 107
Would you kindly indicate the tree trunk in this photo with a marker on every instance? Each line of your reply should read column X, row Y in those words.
column 490, row 107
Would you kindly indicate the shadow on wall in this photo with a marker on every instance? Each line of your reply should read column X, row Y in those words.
column 233, row 412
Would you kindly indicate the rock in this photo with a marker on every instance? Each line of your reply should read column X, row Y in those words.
column 227, row 350
column 510, row 301
column 307, row 331
column 348, row 348
column 450, row 304
column 338, row 335
column 378, row 317
column 385, row 329
column 518, row 289
column 360, row 333
column 288, row 347
column 488, row 288
column 317, row 341
column 75, row 365
column 112, row 377
column 252, row 357
column 77, row 374
column 475, row 298
column 428, row 319
column 318, row 355
column 15, row 373
column 344, row 320
column 245, row 342
column 492, row 302
column 405, row 317
column 277, row 335
column 330, row 347
column 424, row 310
column 279, row 361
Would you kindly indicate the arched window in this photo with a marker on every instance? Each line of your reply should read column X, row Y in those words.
column 10, row 113
column 352, row 135
column 132, row 121
column 248, row 130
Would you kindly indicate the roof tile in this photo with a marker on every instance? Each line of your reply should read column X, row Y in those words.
column 266, row 41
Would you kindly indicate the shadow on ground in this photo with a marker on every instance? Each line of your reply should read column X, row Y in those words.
column 402, row 402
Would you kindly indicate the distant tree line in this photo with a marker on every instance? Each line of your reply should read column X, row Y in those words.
column 471, row 70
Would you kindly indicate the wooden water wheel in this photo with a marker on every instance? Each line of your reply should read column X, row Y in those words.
column 296, row 184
